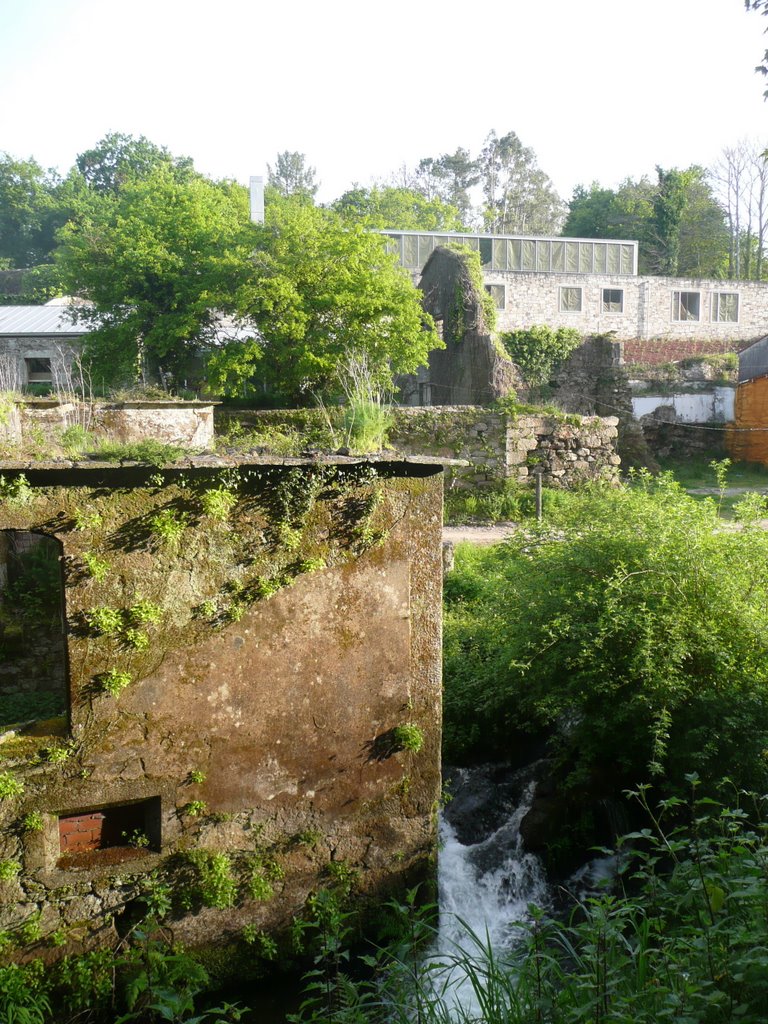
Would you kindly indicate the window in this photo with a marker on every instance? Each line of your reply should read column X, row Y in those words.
column 570, row 300
column 129, row 830
column 498, row 294
column 39, row 371
column 725, row 307
column 33, row 662
column 686, row 305
column 613, row 300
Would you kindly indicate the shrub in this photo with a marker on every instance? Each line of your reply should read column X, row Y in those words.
column 630, row 627
column 538, row 350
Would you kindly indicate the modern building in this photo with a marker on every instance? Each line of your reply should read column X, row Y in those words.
column 593, row 285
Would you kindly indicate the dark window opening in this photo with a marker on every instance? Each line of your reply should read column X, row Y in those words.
column 686, row 305
column 498, row 293
column 109, row 834
column 613, row 300
column 33, row 660
column 39, row 371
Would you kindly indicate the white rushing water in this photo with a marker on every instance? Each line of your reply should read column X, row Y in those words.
column 485, row 890
column 488, row 886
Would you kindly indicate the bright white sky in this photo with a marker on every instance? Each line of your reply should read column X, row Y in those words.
column 600, row 89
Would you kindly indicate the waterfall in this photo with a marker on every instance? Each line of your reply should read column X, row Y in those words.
column 488, row 885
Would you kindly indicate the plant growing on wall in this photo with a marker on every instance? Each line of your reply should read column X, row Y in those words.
column 538, row 350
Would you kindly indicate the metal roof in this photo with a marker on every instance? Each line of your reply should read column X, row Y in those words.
column 38, row 320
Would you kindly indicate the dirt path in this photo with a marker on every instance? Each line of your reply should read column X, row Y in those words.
column 490, row 533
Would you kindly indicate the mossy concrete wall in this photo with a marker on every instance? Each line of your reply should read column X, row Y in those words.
column 189, row 424
column 243, row 673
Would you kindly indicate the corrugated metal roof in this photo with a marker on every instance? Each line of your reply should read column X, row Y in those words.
column 37, row 320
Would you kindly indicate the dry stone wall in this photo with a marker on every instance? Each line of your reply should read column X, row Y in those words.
column 502, row 446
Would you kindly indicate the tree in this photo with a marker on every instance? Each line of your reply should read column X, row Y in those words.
column 323, row 288
column 157, row 260
column 762, row 7
column 668, row 204
column 740, row 177
column 28, row 218
column 118, row 158
column 389, row 207
column 291, row 176
column 641, row 210
column 519, row 197
column 450, row 178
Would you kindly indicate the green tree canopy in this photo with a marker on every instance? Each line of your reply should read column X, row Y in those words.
column 292, row 176
column 323, row 288
column 157, row 260
column 637, row 635
column 28, row 212
column 118, row 158
column 404, row 208
column 519, row 197
column 677, row 220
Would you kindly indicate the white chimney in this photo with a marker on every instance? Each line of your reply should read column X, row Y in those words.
column 257, row 200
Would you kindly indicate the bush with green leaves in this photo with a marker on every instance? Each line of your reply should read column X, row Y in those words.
column 629, row 626
column 538, row 350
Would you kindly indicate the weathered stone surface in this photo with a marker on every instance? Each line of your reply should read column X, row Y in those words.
column 252, row 726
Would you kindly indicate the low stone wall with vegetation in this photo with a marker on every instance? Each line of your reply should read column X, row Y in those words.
column 497, row 445
column 507, row 446
column 188, row 424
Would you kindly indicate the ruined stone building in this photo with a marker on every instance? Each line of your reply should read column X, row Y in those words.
column 230, row 692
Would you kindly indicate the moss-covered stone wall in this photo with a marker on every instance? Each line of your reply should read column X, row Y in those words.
column 253, row 657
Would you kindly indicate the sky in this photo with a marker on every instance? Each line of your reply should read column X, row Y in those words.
column 601, row 90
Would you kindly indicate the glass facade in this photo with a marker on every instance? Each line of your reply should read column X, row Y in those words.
column 526, row 255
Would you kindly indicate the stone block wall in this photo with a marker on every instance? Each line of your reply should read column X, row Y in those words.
column 235, row 691
column 499, row 446
column 647, row 314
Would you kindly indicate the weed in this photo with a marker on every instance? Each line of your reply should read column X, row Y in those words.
column 16, row 491
column 150, row 451
column 32, row 822
column 144, row 613
column 97, row 568
column 114, row 682
column 138, row 839
column 408, row 737
column 10, row 786
column 167, row 525
column 87, row 519
column 105, row 621
column 218, row 503
column 264, row 945
column 135, row 638
column 195, row 808
column 8, row 870
column 197, row 776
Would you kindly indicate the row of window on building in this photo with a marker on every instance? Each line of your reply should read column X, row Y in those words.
column 536, row 255
column 685, row 305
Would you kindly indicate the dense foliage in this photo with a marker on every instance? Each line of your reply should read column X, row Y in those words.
column 632, row 627
column 539, row 349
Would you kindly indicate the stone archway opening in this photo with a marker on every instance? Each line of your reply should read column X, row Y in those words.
column 33, row 659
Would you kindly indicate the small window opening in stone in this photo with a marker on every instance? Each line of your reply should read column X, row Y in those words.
column 109, row 834
column 613, row 300
column 39, row 375
column 33, row 661
column 498, row 293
